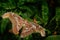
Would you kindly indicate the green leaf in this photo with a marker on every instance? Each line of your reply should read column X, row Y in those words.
column 8, row 5
column 45, row 13
column 53, row 37
column 3, row 25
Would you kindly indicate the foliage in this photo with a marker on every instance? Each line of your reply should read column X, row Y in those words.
column 53, row 37
column 29, row 10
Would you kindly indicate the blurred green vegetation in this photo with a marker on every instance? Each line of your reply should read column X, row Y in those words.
column 46, row 12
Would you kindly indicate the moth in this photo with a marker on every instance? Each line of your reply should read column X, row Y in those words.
column 27, row 27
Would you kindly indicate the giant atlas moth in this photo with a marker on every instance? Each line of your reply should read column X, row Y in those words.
column 18, row 22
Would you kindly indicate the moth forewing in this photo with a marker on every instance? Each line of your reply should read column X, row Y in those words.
column 27, row 30
column 41, row 30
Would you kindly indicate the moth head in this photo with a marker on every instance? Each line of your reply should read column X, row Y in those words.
column 6, row 15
